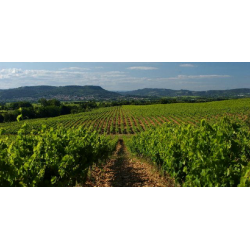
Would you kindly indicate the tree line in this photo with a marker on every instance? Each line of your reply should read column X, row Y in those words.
column 46, row 109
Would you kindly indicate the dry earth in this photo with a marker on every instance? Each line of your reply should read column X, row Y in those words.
column 123, row 170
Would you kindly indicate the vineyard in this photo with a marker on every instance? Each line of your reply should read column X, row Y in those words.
column 134, row 119
column 206, row 155
column 50, row 157
column 205, row 144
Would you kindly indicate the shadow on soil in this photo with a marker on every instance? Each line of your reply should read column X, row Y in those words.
column 125, row 175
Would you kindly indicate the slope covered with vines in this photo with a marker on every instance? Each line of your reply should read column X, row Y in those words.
column 51, row 157
column 203, row 155
column 133, row 119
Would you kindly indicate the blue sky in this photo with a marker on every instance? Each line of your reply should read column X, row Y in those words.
column 128, row 76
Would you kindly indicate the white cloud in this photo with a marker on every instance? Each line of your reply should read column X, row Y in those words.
column 75, row 68
column 111, row 80
column 11, row 78
column 187, row 65
column 142, row 68
column 198, row 76
column 9, row 73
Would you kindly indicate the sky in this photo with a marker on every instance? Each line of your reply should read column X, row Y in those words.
column 127, row 76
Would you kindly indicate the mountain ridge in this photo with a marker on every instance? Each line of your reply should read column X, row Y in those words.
column 90, row 92
column 159, row 92
column 63, row 93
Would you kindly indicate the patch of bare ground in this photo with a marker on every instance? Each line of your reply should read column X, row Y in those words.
column 123, row 170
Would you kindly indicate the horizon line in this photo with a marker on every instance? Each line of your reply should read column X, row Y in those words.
column 120, row 90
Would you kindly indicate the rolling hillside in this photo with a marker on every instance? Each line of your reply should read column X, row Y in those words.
column 66, row 93
column 154, row 92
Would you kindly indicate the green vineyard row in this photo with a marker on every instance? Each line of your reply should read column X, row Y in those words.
column 60, row 157
column 134, row 119
column 216, row 155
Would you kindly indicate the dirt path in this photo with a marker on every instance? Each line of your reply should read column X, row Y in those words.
column 124, row 171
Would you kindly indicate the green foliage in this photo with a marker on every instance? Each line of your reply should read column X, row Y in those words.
column 52, row 157
column 52, row 102
column 1, row 118
column 207, row 155
column 19, row 117
column 17, row 105
column 130, row 119
column 245, row 178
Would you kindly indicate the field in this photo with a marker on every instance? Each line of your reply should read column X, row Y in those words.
column 204, row 144
column 134, row 119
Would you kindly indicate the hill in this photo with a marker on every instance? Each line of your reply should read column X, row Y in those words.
column 65, row 93
column 154, row 92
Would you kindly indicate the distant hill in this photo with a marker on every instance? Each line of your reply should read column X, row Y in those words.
column 84, row 93
column 153, row 92
column 65, row 93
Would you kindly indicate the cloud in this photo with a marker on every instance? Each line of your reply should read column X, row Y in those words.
column 198, row 77
column 187, row 65
column 7, row 73
column 110, row 80
column 142, row 68
column 75, row 69
column 12, row 78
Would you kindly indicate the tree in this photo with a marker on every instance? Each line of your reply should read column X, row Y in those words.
column 54, row 102
column 65, row 110
column 2, row 105
column 49, row 111
column 9, row 117
column 17, row 105
column 1, row 118
column 28, row 113
column 46, row 103
column 43, row 102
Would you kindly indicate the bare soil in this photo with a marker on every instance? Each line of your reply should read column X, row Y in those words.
column 123, row 170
